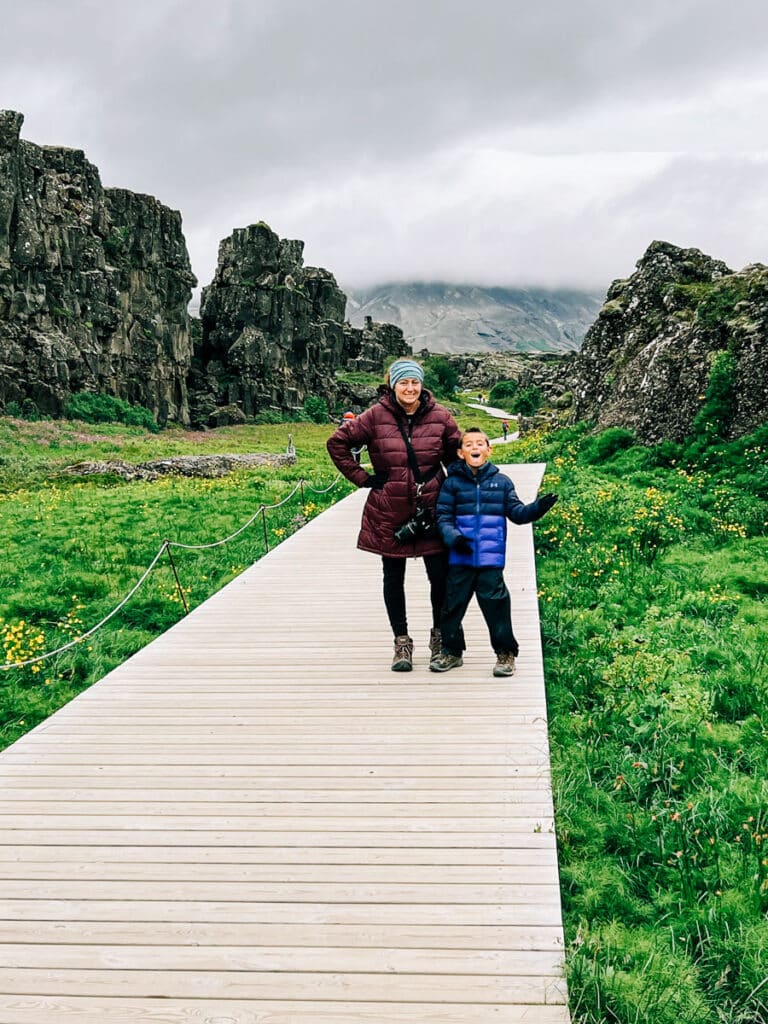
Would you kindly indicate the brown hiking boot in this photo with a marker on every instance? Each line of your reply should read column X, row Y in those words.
column 403, row 659
column 435, row 644
column 445, row 662
column 505, row 664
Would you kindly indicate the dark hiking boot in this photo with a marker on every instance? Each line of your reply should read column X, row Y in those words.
column 505, row 664
column 403, row 659
column 445, row 662
column 435, row 644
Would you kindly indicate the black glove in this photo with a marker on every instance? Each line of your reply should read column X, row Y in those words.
column 462, row 544
column 376, row 480
column 545, row 503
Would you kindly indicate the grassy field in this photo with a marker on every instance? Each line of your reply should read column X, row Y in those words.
column 653, row 607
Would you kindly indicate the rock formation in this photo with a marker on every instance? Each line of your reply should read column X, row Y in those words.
column 273, row 330
column 94, row 285
column 550, row 373
column 645, row 362
column 208, row 466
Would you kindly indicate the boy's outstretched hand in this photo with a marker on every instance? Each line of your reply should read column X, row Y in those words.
column 462, row 544
column 546, row 501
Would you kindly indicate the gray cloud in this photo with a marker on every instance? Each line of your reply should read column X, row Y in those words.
column 493, row 141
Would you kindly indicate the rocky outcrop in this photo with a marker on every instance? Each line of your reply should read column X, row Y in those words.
column 94, row 285
column 208, row 466
column 480, row 371
column 645, row 363
column 273, row 330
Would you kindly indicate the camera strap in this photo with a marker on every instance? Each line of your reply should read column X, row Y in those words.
column 421, row 479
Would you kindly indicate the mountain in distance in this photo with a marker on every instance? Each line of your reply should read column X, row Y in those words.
column 454, row 318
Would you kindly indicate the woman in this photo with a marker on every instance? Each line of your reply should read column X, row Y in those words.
column 403, row 410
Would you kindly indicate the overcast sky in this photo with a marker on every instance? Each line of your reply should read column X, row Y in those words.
column 483, row 141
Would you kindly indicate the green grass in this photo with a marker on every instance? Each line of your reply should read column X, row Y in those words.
column 655, row 628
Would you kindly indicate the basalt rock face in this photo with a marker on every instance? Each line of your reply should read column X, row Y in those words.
column 645, row 363
column 273, row 330
column 94, row 285
column 480, row 371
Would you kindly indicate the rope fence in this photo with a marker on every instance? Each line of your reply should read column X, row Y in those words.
column 166, row 546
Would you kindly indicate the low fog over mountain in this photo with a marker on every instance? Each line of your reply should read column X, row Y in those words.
column 472, row 318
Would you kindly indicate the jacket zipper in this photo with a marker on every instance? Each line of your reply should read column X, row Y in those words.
column 476, row 545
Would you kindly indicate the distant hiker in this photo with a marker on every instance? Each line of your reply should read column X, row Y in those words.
column 472, row 511
column 504, row 428
column 409, row 436
column 348, row 417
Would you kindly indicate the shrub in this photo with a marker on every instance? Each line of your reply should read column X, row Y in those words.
column 316, row 408
column 97, row 408
column 29, row 410
column 268, row 417
column 605, row 445
column 503, row 391
column 713, row 420
column 439, row 376
column 528, row 400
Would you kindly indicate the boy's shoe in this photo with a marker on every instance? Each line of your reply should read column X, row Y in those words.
column 505, row 664
column 403, row 659
column 445, row 662
column 435, row 644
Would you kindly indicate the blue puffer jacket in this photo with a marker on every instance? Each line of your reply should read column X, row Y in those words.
column 478, row 507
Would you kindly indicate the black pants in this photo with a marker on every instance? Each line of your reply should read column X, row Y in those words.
column 394, row 589
column 492, row 596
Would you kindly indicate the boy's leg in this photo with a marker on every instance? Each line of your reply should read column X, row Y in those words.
column 461, row 586
column 496, row 606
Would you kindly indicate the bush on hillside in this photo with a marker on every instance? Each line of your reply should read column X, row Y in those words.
column 95, row 408
column 528, row 401
column 440, row 377
column 503, row 391
column 316, row 408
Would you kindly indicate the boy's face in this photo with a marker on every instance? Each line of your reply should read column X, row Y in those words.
column 475, row 450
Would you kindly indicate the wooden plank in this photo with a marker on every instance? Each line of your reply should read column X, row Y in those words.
column 33, row 1009
column 317, row 986
column 278, row 838
column 306, row 913
column 359, row 874
column 301, row 959
column 129, row 854
column 234, row 890
column 357, row 936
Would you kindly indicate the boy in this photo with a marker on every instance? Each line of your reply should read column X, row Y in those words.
column 472, row 511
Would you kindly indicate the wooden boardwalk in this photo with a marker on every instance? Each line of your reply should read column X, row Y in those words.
column 253, row 821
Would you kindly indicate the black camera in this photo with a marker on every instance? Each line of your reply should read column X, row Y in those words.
column 420, row 526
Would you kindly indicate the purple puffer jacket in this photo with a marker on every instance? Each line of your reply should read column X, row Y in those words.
column 435, row 438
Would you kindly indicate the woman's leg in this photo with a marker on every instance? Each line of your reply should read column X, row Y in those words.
column 394, row 594
column 437, row 571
